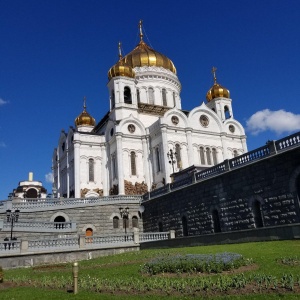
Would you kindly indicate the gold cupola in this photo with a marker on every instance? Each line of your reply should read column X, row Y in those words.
column 85, row 119
column 143, row 55
column 121, row 68
column 217, row 90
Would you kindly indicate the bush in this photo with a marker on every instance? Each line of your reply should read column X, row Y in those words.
column 1, row 275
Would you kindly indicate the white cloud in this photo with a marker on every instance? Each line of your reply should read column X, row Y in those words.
column 2, row 145
column 49, row 177
column 279, row 121
column 2, row 102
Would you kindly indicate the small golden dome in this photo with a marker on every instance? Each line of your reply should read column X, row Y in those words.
column 85, row 119
column 121, row 69
column 217, row 90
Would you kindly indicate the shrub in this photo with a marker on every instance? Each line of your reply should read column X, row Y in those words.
column 1, row 275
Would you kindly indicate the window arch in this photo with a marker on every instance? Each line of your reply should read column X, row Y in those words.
column 116, row 222
column 132, row 163
column 202, row 157
column 164, row 97
column 151, row 95
column 89, row 232
column 214, row 156
column 257, row 214
column 91, row 169
column 216, row 221
column 208, row 158
column 184, row 226
column 127, row 95
column 59, row 220
column 135, row 222
column 178, row 156
column 226, row 112
column 31, row 193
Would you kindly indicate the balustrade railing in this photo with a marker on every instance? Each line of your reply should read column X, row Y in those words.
column 180, row 183
column 10, row 246
column 153, row 236
column 287, row 142
column 109, row 239
column 35, row 225
column 217, row 169
column 53, row 244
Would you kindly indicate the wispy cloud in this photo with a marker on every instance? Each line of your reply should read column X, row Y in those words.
column 3, row 102
column 49, row 177
column 279, row 121
column 2, row 145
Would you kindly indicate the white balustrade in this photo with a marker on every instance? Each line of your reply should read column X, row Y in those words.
column 153, row 236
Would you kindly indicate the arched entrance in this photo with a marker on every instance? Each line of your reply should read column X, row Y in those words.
column 184, row 226
column 257, row 214
column 59, row 220
column 216, row 221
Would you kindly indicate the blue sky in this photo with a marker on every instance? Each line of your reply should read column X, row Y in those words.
column 53, row 53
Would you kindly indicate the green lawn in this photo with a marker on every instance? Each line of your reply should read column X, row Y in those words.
column 119, row 276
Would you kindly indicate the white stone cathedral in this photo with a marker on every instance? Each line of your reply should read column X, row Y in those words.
column 127, row 151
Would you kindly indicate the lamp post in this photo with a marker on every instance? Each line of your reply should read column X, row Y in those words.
column 171, row 156
column 12, row 217
column 124, row 212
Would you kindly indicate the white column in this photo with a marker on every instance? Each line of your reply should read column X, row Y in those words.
column 68, row 175
column 120, row 165
column 145, row 160
column 77, row 170
column 224, row 145
column 190, row 147
column 58, row 179
column 104, row 171
column 164, row 152
column 244, row 145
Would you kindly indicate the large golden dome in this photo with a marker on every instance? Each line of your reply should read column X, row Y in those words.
column 85, row 119
column 217, row 90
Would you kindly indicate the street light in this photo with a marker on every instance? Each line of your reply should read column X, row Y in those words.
column 124, row 212
column 12, row 217
column 171, row 156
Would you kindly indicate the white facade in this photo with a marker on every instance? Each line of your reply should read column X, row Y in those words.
column 126, row 152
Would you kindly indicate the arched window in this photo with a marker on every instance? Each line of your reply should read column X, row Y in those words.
column 235, row 153
column 208, row 158
column 160, row 227
column 138, row 95
column 31, row 193
column 135, row 222
column 116, row 222
column 114, row 166
column 174, row 99
column 257, row 214
column 226, row 112
column 164, row 97
column 178, row 156
column 216, row 221
column 127, row 95
column 91, row 169
column 202, row 158
column 214, row 156
column 157, row 159
column 89, row 232
column 132, row 163
column 112, row 99
column 184, row 226
column 151, row 95
column 59, row 220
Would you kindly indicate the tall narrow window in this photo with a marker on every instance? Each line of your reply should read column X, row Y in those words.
column 132, row 163
column 216, row 221
column 164, row 97
column 157, row 159
column 114, row 167
column 151, row 95
column 257, row 214
column 112, row 99
column 226, row 112
column 160, row 227
column 235, row 153
column 91, row 169
column 214, row 156
column 115, row 222
column 178, row 156
column 138, row 95
column 184, row 226
column 127, row 95
column 202, row 158
column 174, row 99
column 135, row 222
column 208, row 158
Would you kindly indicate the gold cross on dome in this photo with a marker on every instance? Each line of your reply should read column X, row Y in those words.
column 120, row 51
column 141, row 32
column 84, row 102
column 213, row 71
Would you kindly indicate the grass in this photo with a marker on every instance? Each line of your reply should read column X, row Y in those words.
column 276, row 275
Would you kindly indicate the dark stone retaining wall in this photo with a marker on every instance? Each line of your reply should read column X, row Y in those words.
column 273, row 182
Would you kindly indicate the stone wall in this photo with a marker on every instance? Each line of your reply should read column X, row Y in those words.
column 270, row 184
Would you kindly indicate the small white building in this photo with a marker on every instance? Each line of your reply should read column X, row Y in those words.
column 127, row 151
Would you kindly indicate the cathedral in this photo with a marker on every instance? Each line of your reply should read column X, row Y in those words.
column 146, row 136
